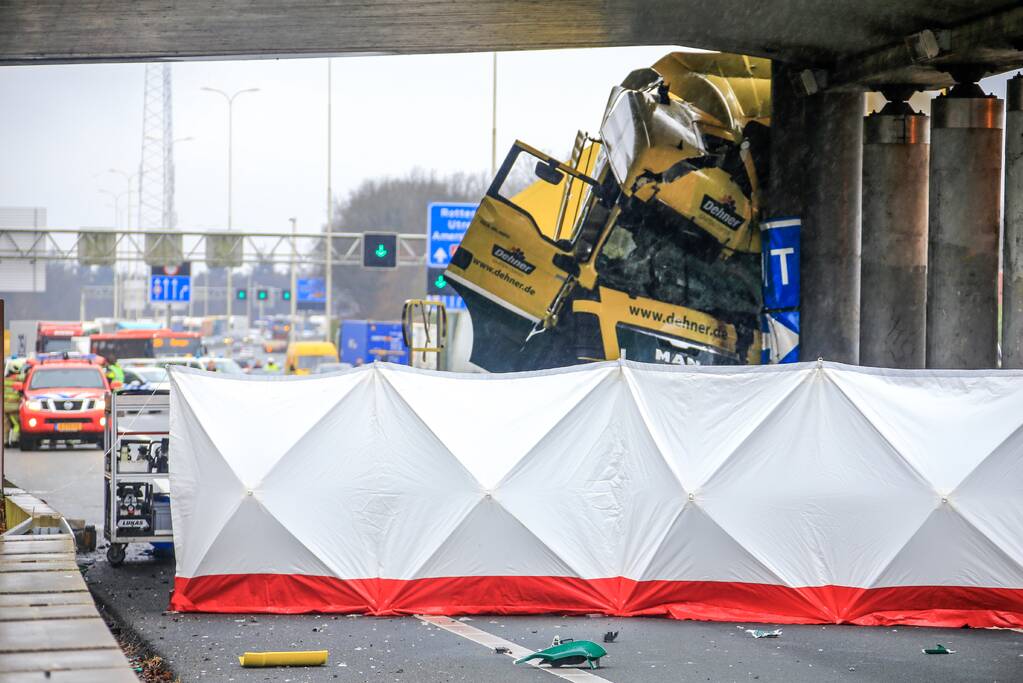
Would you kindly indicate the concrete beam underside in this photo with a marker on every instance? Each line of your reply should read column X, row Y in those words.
column 863, row 41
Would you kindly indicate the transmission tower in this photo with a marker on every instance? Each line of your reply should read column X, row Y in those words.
column 156, row 173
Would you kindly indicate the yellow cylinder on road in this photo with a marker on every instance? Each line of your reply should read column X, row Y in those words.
column 302, row 658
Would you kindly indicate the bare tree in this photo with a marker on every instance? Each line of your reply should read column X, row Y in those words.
column 392, row 205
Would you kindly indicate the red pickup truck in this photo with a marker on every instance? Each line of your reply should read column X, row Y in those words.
column 63, row 400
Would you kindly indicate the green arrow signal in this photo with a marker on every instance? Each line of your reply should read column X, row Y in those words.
column 381, row 251
column 440, row 282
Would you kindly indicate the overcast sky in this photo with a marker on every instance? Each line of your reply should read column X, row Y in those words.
column 64, row 126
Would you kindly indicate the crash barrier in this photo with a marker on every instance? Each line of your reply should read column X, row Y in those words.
column 809, row 493
column 49, row 625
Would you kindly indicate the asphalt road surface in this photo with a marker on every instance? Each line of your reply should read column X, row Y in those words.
column 70, row 480
column 205, row 646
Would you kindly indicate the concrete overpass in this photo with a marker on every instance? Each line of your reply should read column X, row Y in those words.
column 930, row 241
column 859, row 40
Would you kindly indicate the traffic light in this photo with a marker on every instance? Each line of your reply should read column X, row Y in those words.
column 262, row 294
column 379, row 250
column 241, row 294
column 436, row 283
column 285, row 295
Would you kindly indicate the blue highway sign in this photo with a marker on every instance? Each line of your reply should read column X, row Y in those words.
column 780, row 250
column 312, row 290
column 446, row 225
column 170, row 284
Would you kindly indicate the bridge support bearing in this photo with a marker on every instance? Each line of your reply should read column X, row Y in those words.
column 963, row 229
column 1012, row 250
column 893, row 274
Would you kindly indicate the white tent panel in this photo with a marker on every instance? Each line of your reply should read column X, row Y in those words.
column 269, row 415
column 600, row 469
column 334, row 473
column 699, row 416
column 488, row 422
column 696, row 548
column 198, row 468
column 252, row 525
column 808, row 491
column 961, row 416
column 991, row 497
column 426, row 493
column 948, row 551
column 490, row 541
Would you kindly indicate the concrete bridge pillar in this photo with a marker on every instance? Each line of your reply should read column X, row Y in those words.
column 816, row 174
column 893, row 275
column 963, row 228
column 1012, row 245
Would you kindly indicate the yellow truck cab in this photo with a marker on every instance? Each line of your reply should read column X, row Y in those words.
column 305, row 356
column 645, row 245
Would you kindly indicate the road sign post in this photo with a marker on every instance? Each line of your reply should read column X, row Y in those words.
column 446, row 225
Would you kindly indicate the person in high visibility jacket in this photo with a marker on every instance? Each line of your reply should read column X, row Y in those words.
column 271, row 366
column 12, row 399
column 114, row 371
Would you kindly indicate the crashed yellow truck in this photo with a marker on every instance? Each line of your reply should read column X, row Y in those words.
column 645, row 244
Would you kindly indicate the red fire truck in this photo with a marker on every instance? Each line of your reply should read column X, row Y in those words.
column 57, row 337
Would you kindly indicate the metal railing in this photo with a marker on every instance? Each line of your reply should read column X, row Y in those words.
column 258, row 247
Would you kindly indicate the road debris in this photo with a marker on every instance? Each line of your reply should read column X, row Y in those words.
column 938, row 649
column 296, row 658
column 758, row 633
column 501, row 650
column 571, row 653
column 610, row 636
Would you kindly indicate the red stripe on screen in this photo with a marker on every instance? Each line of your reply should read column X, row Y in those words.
column 950, row 606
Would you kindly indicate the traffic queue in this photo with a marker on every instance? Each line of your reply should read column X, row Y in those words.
column 58, row 375
column 56, row 393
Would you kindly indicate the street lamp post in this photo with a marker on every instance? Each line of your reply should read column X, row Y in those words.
column 117, row 225
column 294, row 278
column 130, row 179
column 230, row 184
column 330, row 214
column 493, row 123
column 117, row 204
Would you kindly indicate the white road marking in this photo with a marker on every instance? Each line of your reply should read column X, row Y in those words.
column 460, row 628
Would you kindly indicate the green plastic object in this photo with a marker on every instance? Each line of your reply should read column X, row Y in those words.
column 568, row 654
column 938, row 650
